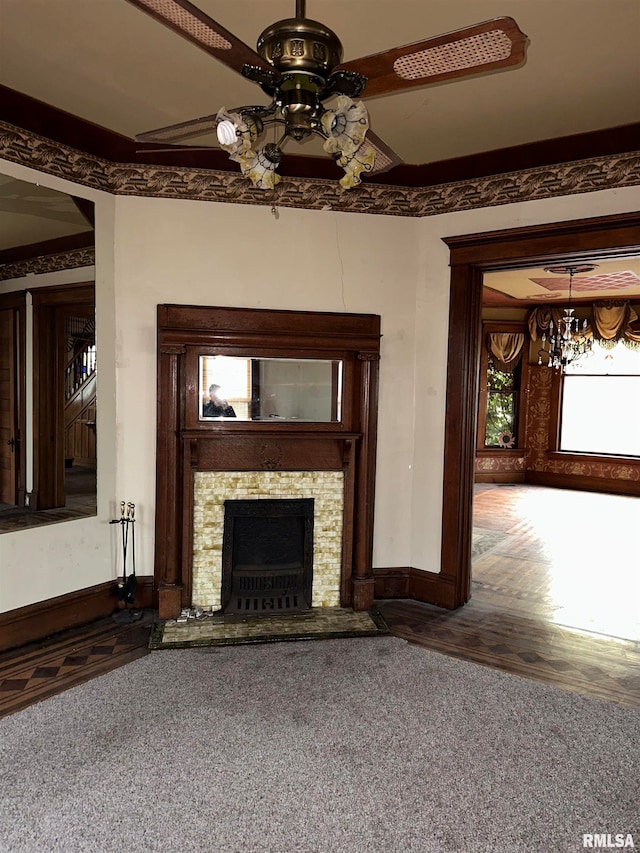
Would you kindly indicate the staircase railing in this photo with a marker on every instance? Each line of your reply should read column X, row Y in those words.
column 79, row 370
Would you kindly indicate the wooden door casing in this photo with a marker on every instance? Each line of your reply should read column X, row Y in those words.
column 9, row 438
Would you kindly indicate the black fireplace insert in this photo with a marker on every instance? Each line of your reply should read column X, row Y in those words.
column 267, row 555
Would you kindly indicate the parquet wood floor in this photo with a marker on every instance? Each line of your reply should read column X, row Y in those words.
column 80, row 502
column 555, row 592
column 525, row 616
column 39, row 670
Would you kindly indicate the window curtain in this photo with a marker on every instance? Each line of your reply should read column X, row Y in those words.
column 614, row 322
column 540, row 320
column 505, row 349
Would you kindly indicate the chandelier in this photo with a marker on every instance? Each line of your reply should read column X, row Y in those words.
column 567, row 341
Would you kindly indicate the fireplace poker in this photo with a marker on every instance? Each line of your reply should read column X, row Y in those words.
column 127, row 590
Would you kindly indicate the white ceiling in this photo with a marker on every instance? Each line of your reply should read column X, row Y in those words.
column 30, row 214
column 617, row 278
column 110, row 63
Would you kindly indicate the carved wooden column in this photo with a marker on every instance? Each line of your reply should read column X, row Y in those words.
column 363, row 580
column 168, row 483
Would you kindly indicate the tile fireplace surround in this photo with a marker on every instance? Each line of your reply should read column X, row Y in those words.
column 213, row 488
column 202, row 464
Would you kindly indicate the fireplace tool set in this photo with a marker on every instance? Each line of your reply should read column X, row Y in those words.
column 127, row 588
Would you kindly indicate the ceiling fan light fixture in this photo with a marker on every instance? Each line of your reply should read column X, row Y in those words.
column 354, row 164
column 237, row 131
column 345, row 127
column 260, row 167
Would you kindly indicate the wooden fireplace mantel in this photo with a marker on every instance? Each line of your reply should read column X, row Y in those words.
column 186, row 445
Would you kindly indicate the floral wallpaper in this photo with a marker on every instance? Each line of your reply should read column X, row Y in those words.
column 537, row 451
column 537, row 439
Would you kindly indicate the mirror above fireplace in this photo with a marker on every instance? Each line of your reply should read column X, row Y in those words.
column 246, row 388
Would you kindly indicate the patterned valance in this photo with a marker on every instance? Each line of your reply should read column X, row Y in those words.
column 611, row 322
column 615, row 321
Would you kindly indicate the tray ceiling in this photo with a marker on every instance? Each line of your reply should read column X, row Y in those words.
column 111, row 64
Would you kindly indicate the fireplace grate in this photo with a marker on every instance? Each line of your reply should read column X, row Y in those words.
column 257, row 605
column 258, row 590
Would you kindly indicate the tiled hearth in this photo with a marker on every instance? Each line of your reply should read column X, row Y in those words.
column 213, row 488
column 321, row 623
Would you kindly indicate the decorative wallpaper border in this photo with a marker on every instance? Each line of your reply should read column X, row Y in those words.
column 49, row 263
column 581, row 176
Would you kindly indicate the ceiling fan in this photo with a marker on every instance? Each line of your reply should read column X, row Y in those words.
column 298, row 64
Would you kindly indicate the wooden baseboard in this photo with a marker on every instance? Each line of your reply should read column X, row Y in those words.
column 37, row 621
column 407, row 582
column 584, row 484
column 501, row 477
column 392, row 583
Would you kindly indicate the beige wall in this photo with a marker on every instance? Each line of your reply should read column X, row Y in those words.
column 151, row 251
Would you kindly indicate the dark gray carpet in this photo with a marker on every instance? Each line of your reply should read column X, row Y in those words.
column 344, row 745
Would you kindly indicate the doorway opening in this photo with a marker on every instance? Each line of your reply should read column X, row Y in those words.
column 52, row 402
column 472, row 257
column 557, row 462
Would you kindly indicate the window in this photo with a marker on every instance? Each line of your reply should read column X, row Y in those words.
column 600, row 406
column 502, row 374
column 501, row 426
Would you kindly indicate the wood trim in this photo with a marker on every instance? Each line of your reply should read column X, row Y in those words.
column 392, row 582
column 56, row 246
column 471, row 254
column 37, row 117
column 500, row 477
column 416, row 584
column 17, row 301
column 598, row 237
column 367, row 411
column 49, row 305
column 168, row 481
column 465, row 320
column 582, row 483
column 40, row 620
column 67, row 294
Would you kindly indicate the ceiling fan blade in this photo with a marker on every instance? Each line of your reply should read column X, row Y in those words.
column 386, row 158
column 189, row 22
column 177, row 132
column 488, row 46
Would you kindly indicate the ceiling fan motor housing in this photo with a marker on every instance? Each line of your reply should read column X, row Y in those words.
column 304, row 52
column 301, row 45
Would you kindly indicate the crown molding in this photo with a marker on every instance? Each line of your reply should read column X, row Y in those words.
column 588, row 175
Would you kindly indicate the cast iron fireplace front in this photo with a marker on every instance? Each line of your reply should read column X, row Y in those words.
column 267, row 556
